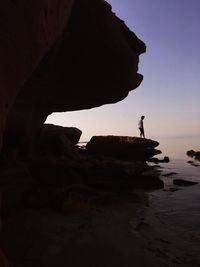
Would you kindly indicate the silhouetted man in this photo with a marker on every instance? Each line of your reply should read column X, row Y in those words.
column 141, row 127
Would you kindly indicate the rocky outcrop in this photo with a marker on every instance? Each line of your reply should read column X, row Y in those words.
column 194, row 154
column 58, row 140
column 109, row 164
column 70, row 55
column 182, row 182
column 72, row 133
column 63, row 181
column 156, row 160
column 59, row 55
column 28, row 32
column 122, row 147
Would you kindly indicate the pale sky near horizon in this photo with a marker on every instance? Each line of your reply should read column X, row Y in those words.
column 169, row 96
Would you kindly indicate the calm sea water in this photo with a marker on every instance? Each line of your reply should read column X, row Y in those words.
column 178, row 212
column 176, row 147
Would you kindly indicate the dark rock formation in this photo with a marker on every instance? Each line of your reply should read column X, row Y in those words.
column 169, row 174
column 173, row 189
column 58, row 140
column 117, row 176
column 183, row 182
column 58, row 169
column 86, row 61
column 61, row 55
column 59, row 180
column 28, row 31
column 49, row 130
column 194, row 154
column 65, row 181
column 122, row 147
column 156, row 160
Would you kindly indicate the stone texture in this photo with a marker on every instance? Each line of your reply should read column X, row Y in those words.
column 182, row 182
column 72, row 133
column 156, row 160
column 28, row 30
column 93, row 61
column 122, row 147
column 58, row 140
column 194, row 154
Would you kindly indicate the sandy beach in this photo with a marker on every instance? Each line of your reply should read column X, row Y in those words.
column 106, row 236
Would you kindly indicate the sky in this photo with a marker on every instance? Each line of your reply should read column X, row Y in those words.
column 169, row 96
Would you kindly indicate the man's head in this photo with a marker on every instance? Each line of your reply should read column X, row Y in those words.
column 142, row 117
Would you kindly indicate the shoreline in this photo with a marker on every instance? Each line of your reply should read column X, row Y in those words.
column 105, row 229
column 170, row 241
column 171, row 224
column 103, row 236
column 129, row 233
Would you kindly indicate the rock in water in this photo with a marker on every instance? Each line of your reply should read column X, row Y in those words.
column 183, row 182
column 122, row 147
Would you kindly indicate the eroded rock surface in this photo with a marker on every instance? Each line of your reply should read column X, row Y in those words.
column 123, row 147
column 183, row 182
column 194, row 154
column 58, row 140
column 28, row 30
column 62, row 55
column 69, row 183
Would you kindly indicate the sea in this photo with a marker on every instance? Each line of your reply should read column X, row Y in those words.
column 181, row 206
column 173, row 215
column 170, row 224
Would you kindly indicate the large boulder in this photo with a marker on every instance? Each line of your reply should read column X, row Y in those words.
column 72, row 133
column 29, row 29
column 93, row 61
column 59, row 141
column 194, row 154
column 122, row 147
column 110, row 174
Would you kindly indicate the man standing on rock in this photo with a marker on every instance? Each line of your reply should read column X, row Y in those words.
column 141, row 127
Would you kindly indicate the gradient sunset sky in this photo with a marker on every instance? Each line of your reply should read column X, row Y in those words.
column 169, row 96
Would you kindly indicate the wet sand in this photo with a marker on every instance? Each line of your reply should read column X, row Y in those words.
column 122, row 232
column 167, row 241
column 102, row 236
